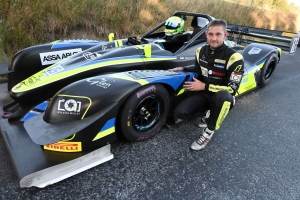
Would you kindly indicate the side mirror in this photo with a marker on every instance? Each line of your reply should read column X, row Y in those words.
column 111, row 37
column 147, row 50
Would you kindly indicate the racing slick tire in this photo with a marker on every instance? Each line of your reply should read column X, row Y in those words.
column 268, row 69
column 144, row 113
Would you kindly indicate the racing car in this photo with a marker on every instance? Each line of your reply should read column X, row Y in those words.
column 69, row 113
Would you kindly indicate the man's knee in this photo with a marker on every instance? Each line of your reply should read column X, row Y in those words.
column 223, row 96
column 181, row 113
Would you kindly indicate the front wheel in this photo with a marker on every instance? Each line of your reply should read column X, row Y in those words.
column 144, row 113
column 268, row 69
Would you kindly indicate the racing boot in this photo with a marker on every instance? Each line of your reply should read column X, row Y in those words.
column 204, row 139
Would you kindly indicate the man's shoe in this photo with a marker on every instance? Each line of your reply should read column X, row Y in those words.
column 202, row 123
column 204, row 139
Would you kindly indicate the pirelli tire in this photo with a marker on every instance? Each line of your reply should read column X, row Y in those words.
column 268, row 69
column 144, row 113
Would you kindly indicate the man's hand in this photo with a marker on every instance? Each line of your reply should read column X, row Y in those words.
column 195, row 85
column 176, row 69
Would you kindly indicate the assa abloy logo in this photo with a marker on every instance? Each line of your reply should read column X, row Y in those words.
column 49, row 58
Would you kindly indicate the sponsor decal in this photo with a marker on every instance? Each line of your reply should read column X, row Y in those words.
column 109, row 48
column 33, row 79
column 216, row 77
column 238, row 73
column 238, row 68
column 219, row 66
column 55, row 56
column 100, row 83
column 203, row 59
column 29, row 81
column 54, row 70
column 69, row 107
column 254, row 50
column 64, row 147
column 220, row 61
column 204, row 71
column 211, row 72
column 244, row 80
column 146, row 91
column 91, row 56
column 235, row 77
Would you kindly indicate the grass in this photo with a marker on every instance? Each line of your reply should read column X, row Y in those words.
column 25, row 23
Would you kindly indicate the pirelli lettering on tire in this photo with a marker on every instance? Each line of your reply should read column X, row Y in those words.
column 145, row 91
column 224, row 111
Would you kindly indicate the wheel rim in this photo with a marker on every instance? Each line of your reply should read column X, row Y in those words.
column 147, row 113
column 269, row 70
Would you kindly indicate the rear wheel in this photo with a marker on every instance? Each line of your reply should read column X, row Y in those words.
column 268, row 69
column 144, row 113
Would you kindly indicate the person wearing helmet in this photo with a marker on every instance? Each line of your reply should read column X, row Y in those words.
column 174, row 25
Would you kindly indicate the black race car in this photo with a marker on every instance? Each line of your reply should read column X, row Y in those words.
column 64, row 117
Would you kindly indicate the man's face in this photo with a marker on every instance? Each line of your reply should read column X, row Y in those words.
column 215, row 36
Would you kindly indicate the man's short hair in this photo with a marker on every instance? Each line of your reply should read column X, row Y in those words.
column 218, row 22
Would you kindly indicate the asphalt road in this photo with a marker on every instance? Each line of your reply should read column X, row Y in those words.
column 255, row 155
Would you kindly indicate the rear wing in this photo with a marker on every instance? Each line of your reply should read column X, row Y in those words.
column 246, row 35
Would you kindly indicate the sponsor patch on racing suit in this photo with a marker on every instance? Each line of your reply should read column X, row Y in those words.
column 217, row 71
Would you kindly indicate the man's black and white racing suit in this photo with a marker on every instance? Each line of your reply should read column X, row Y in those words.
column 221, row 70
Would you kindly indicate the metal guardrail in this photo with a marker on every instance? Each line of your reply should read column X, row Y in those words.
column 249, row 34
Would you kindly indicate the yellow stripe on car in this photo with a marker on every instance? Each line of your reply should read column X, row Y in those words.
column 41, row 78
column 124, row 77
column 104, row 133
column 118, row 43
column 56, row 41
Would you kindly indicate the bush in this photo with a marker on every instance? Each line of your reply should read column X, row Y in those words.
column 25, row 23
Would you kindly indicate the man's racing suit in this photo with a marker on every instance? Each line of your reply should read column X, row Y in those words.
column 221, row 70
